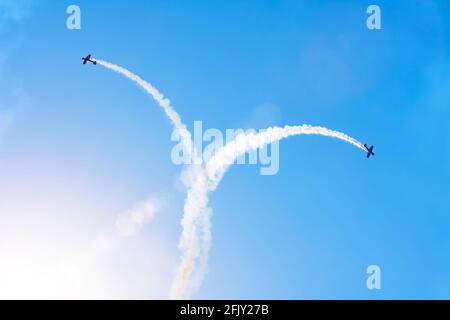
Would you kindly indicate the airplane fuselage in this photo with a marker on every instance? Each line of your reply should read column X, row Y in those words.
column 88, row 59
column 369, row 150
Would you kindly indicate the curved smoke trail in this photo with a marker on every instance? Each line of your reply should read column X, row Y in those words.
column 208, row 180
column 243, row 143
column 190, row 242
column 163, row 102
column 195, row 240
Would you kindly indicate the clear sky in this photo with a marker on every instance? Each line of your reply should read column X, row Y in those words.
column 80, row 144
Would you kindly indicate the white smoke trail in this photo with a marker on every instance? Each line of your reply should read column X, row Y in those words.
column 163, row 102
column 190, row 240
column 243, row 143
column 195, row 240
column 208, row 179
column 130, row 222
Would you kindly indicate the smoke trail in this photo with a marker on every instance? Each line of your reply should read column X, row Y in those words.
column 220, row 162
column 130, row 222
column 190, row 240
column 163, row 102
column 208, row 180
column 195, row 240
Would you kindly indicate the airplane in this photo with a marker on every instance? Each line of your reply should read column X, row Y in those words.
column 369, row 150
column 88, row 58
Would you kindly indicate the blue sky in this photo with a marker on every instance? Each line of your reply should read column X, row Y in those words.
column 79, row 144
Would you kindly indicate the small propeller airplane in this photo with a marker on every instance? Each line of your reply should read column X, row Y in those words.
column 88, row 58
column 369, row 150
